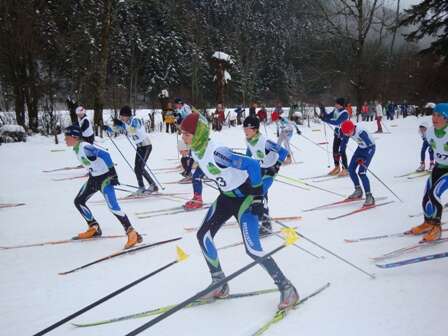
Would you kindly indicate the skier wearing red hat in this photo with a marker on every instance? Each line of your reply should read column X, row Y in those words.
column 362, row 158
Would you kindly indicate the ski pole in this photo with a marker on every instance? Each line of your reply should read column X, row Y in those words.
column 202, row 293
column 384, row 184
column 309, row 185
column 326, row 140
column 146, row 165
column 119, row 151
column 328, row 251
column 181, row 256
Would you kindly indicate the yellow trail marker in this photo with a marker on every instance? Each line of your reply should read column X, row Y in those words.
column 181, row 255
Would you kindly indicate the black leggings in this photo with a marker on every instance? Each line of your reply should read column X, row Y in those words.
column 93, row 185
column 337, row 153
column 221, row 210
column 436, row 185
column 139, row 167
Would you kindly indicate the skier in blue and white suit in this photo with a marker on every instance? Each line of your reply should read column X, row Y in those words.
column 241, row 195
column 362, row 158
column 102, row 177
column 270, row 156
column 336, row 118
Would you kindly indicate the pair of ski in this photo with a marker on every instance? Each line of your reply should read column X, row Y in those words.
column 169, row 211
column 414, row 174
column 62, row 169
column 70, row 178
column 134, row 197
column 10, row 205
column 328, row 178
column 278, row 316
column 121, row 253
column 408, row 249
column 60, row 242
column 348, row 201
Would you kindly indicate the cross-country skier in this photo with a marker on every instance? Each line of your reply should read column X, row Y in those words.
column 422, row 128
column 270, row 156
column 361, row 158
column 437, row 183
column 336, row 118
column 286, row 130
column 102, row 177
column 241, row 196
column 85, row 124
column 136, row 129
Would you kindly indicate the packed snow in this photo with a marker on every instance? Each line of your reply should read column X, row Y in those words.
column 405, row 301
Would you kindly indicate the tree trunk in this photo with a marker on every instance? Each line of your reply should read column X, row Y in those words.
column 19, row 104
column 101, row 68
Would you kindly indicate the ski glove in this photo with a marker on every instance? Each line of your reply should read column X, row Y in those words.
column 257, row 207
column 113, row 176
column 108, row 130
column 273, row 170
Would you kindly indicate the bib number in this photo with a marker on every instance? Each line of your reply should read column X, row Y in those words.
column 221, row 181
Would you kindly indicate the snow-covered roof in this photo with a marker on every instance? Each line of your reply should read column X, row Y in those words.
column 223, row 56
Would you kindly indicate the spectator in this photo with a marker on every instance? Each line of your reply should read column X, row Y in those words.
column 390, row 111
column 365, row 111
column 253, row 109
column 262, row 114
column 378, row 116
column 372, row 110
column 239, row 114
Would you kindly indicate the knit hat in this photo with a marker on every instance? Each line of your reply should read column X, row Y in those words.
column 340, row 101
column 73, row 130
column 190, row 122
column 198, row 126
column 442, row 108
column 178, row 100
column 347, row 127
column 251, row 122
column 125, row 111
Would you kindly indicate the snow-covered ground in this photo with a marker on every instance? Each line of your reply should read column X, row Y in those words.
column 405, row 301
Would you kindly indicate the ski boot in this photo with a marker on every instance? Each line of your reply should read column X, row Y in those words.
column 434, row 234
column 151, row 189
column 357, row 194
column 288, row 296
column 370, row 200
column 194, row 203
column 220, row 292
column 431, row 166
column 334, row 171
column 343, row 172
column 93, row 231
column 421, row 168
column 133, row 238
column 425, row 227
column 265, row 228
column 140, row 191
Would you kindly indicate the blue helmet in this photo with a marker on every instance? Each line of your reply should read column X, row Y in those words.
column 442, row 108
column 73, row 130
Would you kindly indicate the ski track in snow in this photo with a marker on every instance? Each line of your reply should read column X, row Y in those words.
column 406, row 301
